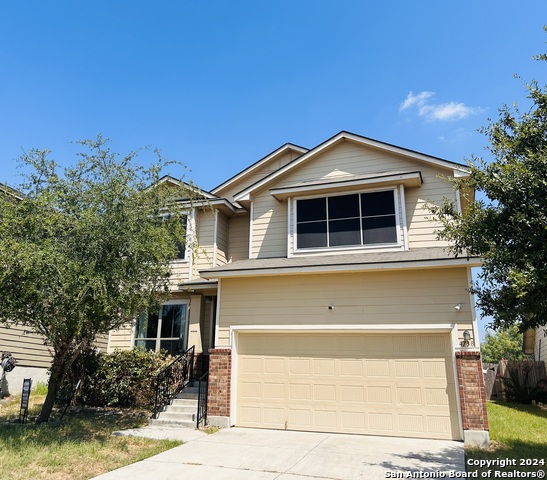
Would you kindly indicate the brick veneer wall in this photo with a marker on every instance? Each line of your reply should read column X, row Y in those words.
column 472, row 392
column 220, row 369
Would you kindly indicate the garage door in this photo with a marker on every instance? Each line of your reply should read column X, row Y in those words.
column 397, row 384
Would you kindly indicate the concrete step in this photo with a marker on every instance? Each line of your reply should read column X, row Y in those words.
column 181, row 409
column 185, row 402
column 177, row 417
column 158, row 422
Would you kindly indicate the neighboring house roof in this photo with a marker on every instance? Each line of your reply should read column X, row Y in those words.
column 458, row 168
column 434, row 257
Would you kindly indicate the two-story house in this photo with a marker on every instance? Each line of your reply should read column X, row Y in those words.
column 315, row 286
column 315, row 291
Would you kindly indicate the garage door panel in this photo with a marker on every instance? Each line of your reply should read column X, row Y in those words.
column 409, row 396
column 407, row 369
column 300, row 366
column 343, row 391
column 352, row 393
column 274, row 366
column 377, row 368
column 351, row 368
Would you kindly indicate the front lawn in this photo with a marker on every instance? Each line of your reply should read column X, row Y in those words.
column 517, row 432
column 78, row 448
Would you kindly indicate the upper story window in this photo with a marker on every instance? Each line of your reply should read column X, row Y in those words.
column 181, row 246
column 360, row 219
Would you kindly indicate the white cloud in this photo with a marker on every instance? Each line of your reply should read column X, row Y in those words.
column 418, row 100
column 437, row 111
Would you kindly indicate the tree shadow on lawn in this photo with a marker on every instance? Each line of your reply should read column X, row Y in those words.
column 522, row 407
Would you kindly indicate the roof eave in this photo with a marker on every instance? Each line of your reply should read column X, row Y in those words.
column 344, row 268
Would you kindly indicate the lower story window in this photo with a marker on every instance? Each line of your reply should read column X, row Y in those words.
column 163, row 330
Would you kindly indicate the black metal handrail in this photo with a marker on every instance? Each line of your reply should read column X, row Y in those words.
column 203, row 389
column 173, row 378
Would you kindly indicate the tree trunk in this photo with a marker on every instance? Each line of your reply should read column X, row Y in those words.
column 58, row 370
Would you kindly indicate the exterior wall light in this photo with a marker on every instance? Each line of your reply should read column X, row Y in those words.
column 466, row 342
column 458, row 307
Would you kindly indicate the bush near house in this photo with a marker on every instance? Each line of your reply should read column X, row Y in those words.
column 124, row 378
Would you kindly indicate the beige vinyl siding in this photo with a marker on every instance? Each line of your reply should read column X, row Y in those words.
column 101, row 343
column 259, row 174
column 540, row 350
column 26, row 347
column 180, row 272
column 269, row 227
column 349, row 158
column 205, row 226
column 120, row 339
column 380, row 298
column 222, row 239
column 238, row 238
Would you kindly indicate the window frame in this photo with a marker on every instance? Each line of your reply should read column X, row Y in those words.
column 159, row 338
column 362, row 246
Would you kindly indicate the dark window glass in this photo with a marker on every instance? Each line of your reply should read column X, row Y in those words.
column 379, row 230
column 344, row 206
column 356, row 219
column 310, row 235
column 311, row 210
column 377, row 203
column 146, row 344
column 344, row 232
column 174, row 347
column 147, row 325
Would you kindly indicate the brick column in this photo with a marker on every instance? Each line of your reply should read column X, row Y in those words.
column 472, row 397
column 218, row 401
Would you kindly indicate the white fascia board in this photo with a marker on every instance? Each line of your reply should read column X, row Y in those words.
column 260, row 163
column 373, row 267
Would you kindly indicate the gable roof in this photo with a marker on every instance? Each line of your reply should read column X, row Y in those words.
column 347, row 136
column 259, row 164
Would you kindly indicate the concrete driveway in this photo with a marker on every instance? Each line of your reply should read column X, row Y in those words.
column 245, row 454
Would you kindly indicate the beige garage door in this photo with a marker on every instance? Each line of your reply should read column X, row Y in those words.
column 398, row 384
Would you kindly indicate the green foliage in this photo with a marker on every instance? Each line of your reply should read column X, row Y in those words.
column 508, row 229
column 121, row 379
column 505, row 344
column 86, row 248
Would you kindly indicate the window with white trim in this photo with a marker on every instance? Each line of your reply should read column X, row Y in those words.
column 357, row 219
column 164, row 330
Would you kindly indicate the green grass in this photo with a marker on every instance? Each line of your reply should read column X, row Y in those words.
column 517, row 432
column 78, row 448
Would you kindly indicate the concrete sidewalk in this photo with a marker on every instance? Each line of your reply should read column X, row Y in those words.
column 253, row 454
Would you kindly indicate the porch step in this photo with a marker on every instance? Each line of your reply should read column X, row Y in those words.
column 182, row 410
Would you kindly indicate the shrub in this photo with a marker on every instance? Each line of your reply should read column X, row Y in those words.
column 124, row 378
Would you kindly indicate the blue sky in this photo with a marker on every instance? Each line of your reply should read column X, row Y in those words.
column 219, row 84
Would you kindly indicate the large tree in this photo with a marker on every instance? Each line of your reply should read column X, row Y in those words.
column 505, row 344
column 507, row 224
column 86, row 249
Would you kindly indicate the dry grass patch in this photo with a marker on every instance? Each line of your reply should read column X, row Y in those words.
column 78, row 448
